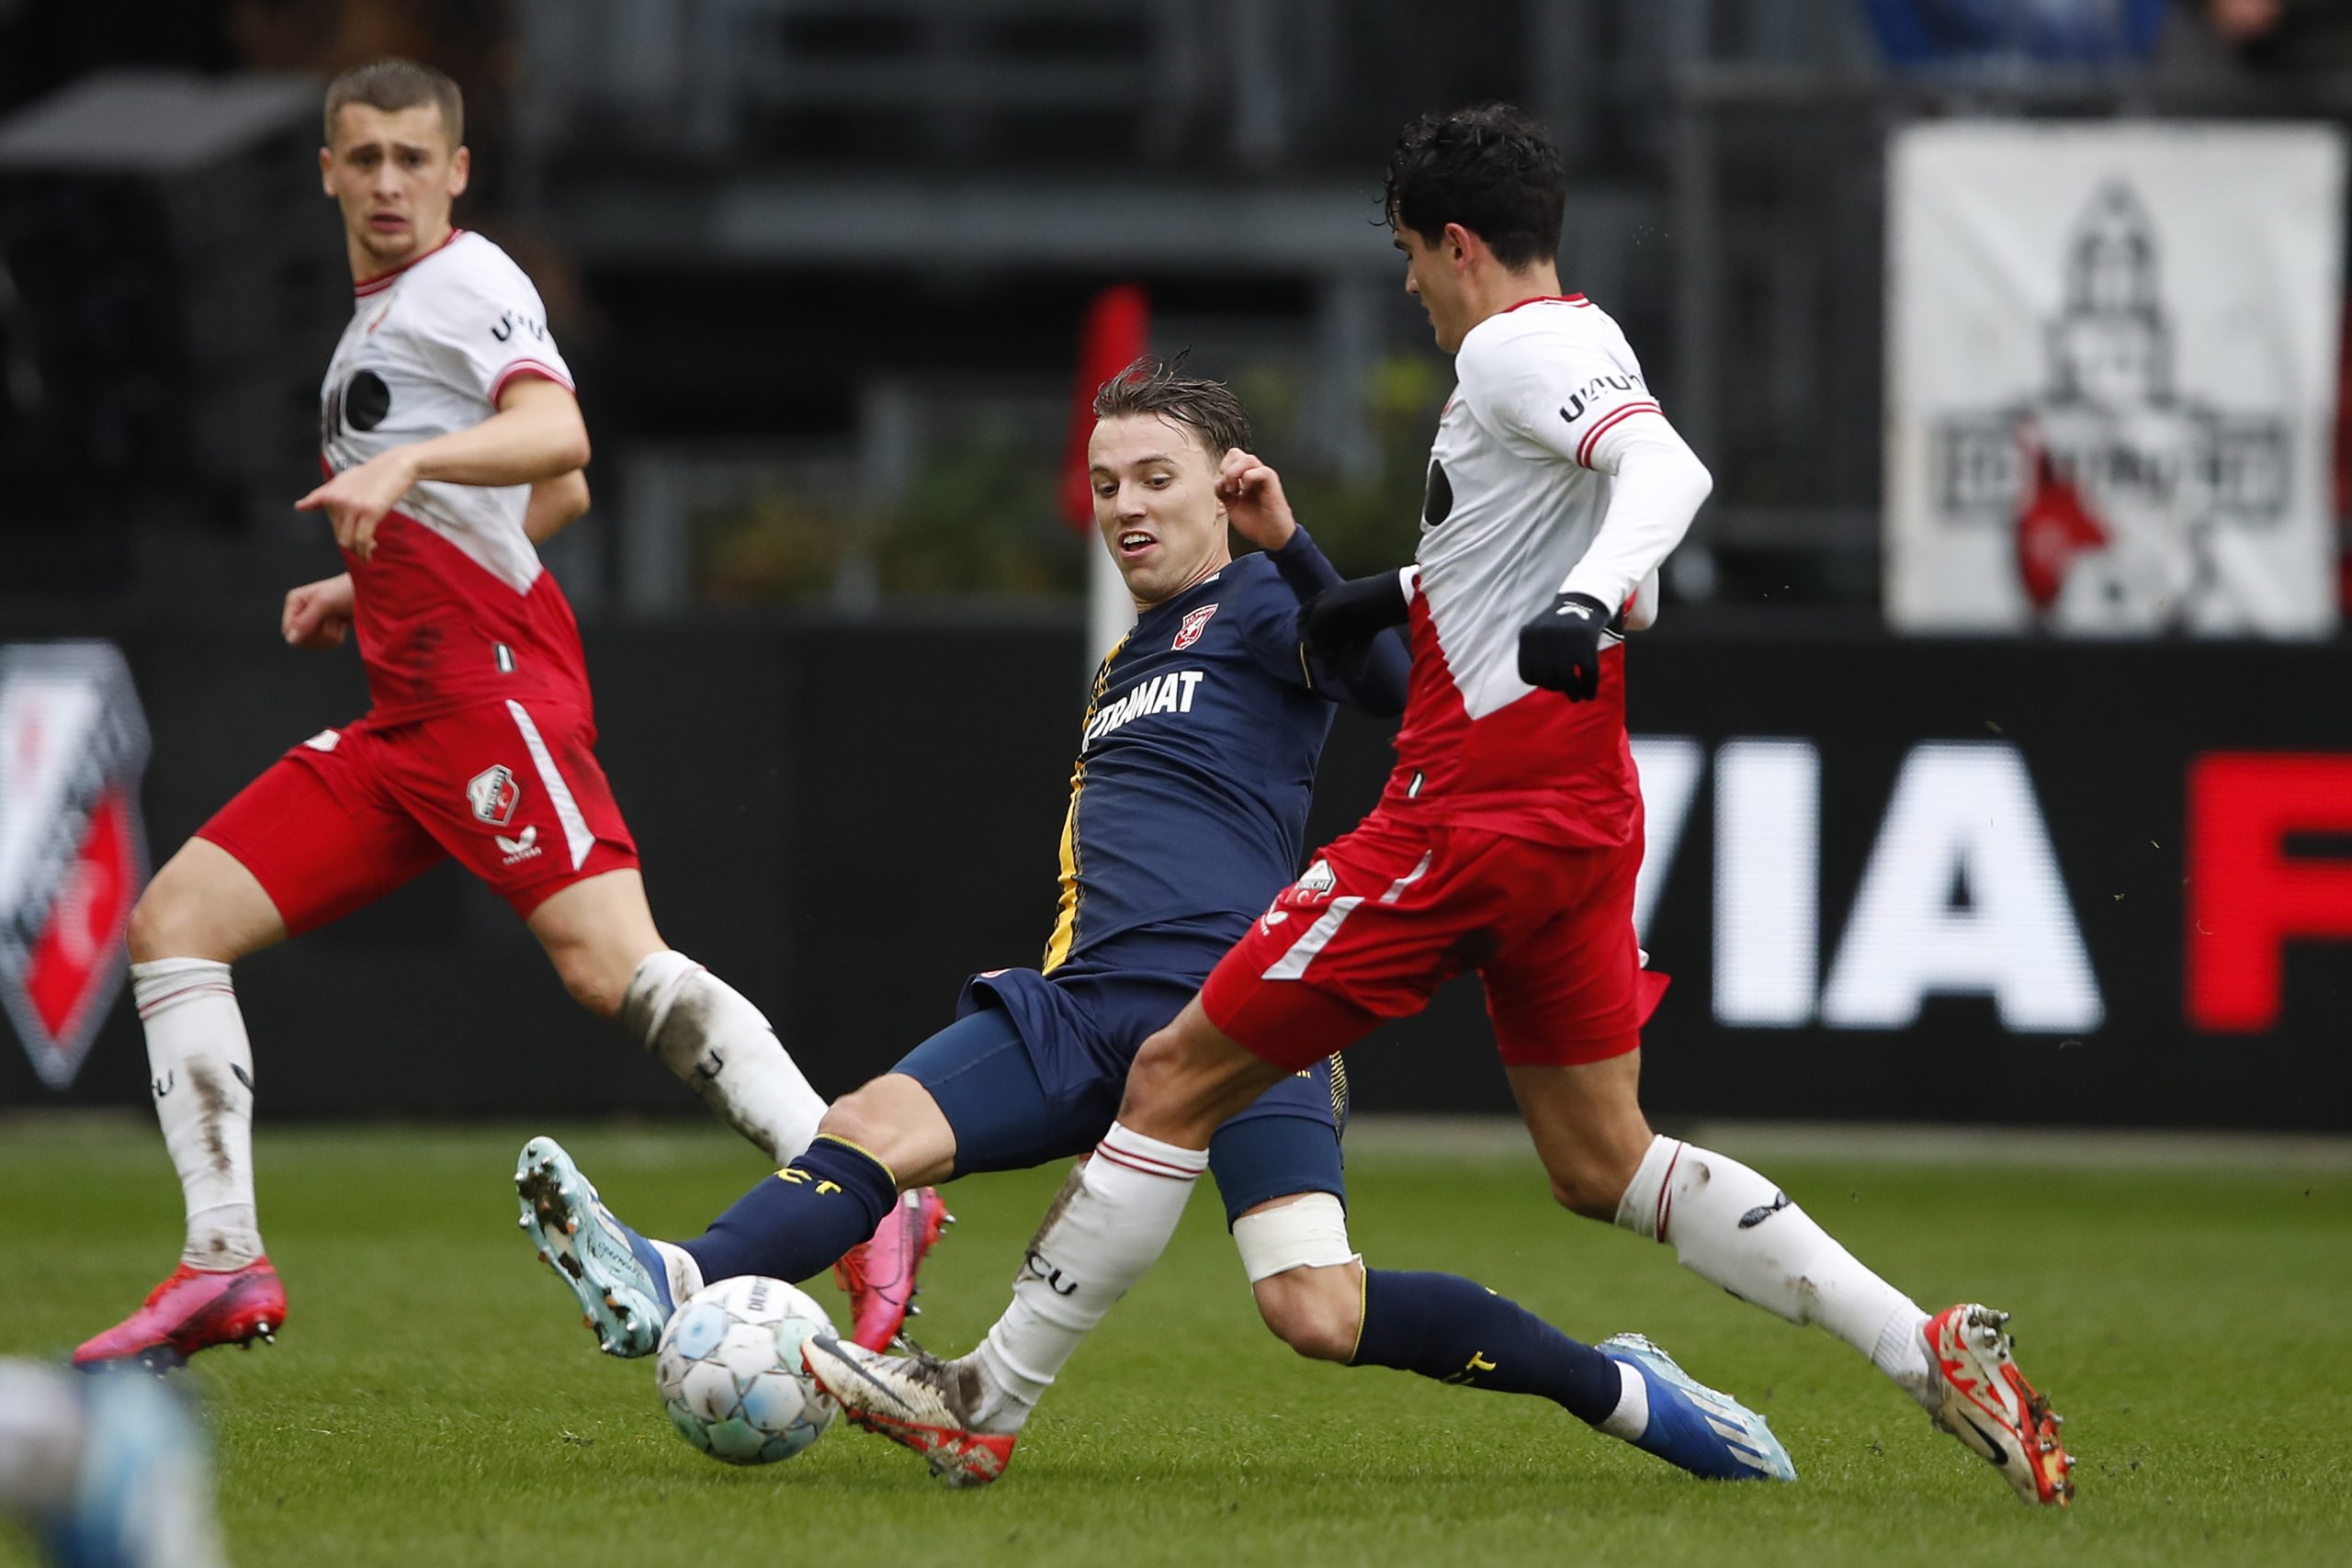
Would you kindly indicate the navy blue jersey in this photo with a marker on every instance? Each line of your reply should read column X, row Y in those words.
column 1188, row 805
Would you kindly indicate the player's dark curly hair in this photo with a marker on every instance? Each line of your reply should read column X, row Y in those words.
column 1491, row 168
column 1208, row 409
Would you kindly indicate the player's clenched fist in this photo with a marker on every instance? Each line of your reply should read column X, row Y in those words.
column 1560, row 649
column 1254, row 502
column 318, row 614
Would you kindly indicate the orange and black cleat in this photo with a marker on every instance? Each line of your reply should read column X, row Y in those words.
column 1986, row 1402
column 917, row 1401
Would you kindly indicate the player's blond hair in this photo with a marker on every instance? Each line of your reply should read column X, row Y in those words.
column 392, row 84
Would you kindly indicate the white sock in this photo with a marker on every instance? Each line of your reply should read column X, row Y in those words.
column 1730, row 1226
column 685, row 1274
column 724, row 1049
column 1632, row 1416
column 202, row 1080
column 1105, row 1232
column 40, row 1439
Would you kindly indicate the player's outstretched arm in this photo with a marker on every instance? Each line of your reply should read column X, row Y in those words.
column 318, row 614
column 536, row 434
column 556, row 504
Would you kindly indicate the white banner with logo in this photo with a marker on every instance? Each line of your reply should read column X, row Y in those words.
column 2111, row 378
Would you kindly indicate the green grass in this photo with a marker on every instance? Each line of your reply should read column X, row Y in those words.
column 434, row 1401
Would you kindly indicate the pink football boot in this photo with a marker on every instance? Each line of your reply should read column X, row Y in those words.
column 192, row 1311
column 879, row 1274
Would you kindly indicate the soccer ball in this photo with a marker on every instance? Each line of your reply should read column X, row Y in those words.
column 730, row 1373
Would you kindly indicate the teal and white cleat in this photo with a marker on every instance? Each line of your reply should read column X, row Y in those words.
column 621, row 1280
column 1696, row 1428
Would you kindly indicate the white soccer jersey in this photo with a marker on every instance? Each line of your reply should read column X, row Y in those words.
column 430, row 348
column 452, row 605
column 1518, row 487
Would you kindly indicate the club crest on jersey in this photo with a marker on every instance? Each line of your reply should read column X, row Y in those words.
column 1317, row 883
column 1195, row 623
column 73, row 852
column 493, row 793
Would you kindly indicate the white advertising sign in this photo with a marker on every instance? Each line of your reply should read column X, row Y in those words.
column 2111, row 378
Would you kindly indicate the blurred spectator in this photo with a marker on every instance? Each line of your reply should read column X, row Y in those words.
column 2041, row 32
column 2285, row 35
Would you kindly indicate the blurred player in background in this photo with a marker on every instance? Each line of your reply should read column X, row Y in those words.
column 1188, row 810
column 108, row 1470
column 453, row 446
column 1506, row 842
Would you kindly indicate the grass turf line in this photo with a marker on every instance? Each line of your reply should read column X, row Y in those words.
column 434, row 1400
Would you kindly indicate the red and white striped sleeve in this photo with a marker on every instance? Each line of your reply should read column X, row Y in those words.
column 1581, row 396
column 483, row 325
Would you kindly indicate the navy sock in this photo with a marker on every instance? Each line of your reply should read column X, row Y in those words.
column 800, row 1221
column 1457, row 1331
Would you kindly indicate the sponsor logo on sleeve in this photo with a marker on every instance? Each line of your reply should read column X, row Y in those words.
column 73, row 852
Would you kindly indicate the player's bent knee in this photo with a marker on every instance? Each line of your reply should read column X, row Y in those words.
column 855, row 1117
column 894, row 1119
column 1316, row 1312
column 595, row 972
column 1308, row 1282
column 1592, row 1190
column 1187, row 1078
column 186, row 913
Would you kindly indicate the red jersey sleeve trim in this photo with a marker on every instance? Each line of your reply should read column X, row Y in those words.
column 538, row 367
column 383, row 280
column 1584, row 448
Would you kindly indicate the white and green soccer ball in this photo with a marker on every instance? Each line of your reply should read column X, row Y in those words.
column 730, row 1373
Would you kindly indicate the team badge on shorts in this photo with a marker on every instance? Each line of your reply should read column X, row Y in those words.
column 1195, row 623
column 493, row 793
column 73, row 852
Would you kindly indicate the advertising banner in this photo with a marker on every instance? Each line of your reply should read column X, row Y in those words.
column 73, row 854
column 1914, row 879
column 2112, row 359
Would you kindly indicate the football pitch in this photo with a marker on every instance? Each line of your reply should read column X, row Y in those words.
column 435, row 1401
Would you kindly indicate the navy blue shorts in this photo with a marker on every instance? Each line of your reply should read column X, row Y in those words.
column 1032, row 1068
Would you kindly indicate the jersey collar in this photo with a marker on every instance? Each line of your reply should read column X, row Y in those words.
column 1546, row 299
column 383, row 280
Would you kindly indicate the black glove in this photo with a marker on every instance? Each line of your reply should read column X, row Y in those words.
column 1560, row 649
column 1344, row 617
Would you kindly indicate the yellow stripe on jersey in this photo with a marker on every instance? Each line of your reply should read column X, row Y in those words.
column 1065, row 937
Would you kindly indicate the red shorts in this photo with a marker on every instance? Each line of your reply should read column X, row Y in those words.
column 1393, row 910
column 511, row 789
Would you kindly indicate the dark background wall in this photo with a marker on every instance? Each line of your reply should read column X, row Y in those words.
column 845, row 820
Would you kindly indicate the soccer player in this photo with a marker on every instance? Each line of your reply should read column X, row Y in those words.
column 453, row 446
column 1188, row 810
column 1506, row 841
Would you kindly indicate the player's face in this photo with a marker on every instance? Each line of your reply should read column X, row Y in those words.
column 1432, row 275
column 394, row 175
column 1156, row 505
